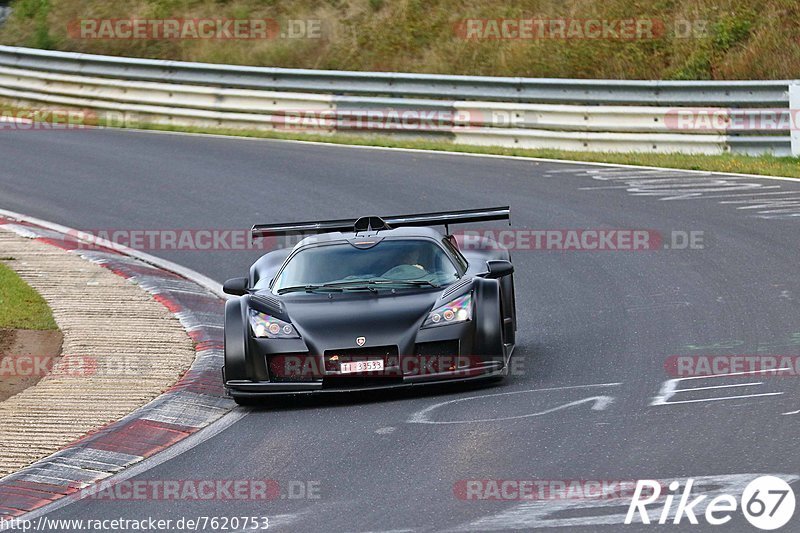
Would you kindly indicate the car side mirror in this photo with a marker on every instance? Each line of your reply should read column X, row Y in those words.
column 235, row 286
column 499, row 269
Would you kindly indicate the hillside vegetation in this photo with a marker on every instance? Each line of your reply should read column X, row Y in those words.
column 694, row 39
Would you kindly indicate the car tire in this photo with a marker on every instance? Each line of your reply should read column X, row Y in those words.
column 246, row 401
column 489, row 319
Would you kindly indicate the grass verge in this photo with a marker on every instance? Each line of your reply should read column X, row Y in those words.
column 766, row 165
column 20, row 306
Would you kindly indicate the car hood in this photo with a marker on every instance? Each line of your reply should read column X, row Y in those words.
column 335, row 323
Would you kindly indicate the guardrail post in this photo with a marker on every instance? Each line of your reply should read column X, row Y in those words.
column 794, row 116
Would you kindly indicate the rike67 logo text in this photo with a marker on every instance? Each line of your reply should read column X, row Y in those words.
column 767, row 503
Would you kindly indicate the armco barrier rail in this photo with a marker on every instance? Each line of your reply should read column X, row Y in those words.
column 607, row 115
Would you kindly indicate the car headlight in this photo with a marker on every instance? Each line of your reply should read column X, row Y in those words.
column 459, row 310
column 265, row 326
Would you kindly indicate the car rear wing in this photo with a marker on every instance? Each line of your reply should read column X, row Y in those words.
column 373, row 223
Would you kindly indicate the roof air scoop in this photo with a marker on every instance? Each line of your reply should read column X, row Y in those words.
column 370, row 224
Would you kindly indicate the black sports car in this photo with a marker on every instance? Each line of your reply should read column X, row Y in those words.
column 376, row 302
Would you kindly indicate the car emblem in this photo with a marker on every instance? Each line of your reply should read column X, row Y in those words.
column 361, row 341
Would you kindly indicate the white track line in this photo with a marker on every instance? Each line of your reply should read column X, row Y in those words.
column 721, row 387
column 600, row 403
column 722, row 398
column 746, row 373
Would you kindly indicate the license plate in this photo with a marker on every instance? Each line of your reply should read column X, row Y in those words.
column 361, row 366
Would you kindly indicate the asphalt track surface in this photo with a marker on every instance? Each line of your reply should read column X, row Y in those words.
column 595, row 329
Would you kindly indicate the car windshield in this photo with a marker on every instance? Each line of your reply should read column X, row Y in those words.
column 390, row 262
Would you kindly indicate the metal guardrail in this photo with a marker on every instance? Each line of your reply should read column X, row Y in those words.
column 539, row 90
column 519, row 112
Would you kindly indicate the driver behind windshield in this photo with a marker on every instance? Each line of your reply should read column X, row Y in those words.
column 409, row 266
